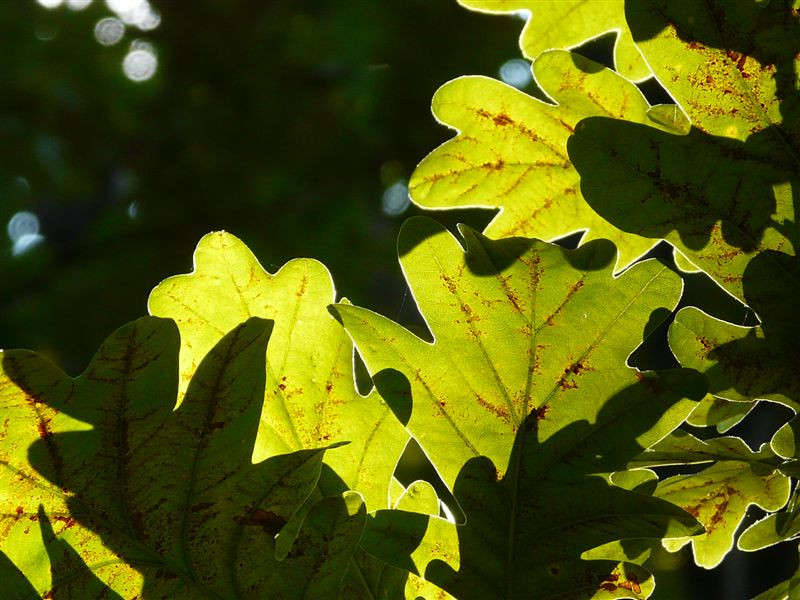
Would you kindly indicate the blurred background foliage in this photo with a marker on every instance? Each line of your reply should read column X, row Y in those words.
column 130, row 128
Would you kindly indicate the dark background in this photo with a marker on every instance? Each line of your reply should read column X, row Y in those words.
column 283, row 122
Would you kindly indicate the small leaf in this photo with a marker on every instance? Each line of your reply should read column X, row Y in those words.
column 784, row 442
column 419, row 497
column 725, row 414
column 718, row 497
column 772, row 529
column 682, row 448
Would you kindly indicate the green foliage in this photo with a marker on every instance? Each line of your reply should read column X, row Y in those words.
column 222, row 447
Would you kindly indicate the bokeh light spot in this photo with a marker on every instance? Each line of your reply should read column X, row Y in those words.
column 23, row 229
column 137, row 13
column 109, row 31
column 140, row 64
column 395, row 199
column 50, row 3
column 516, row 72
column 22, row 223
column 78, row 4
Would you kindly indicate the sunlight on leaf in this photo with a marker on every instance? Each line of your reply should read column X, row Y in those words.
column 514, row 400
column 179, row 500
column 310, row 399
column 511, row 150
column 569, row 23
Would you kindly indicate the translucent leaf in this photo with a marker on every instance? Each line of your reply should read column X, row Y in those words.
column 419, row 497
column 784, row 442
column 727, row 65
column 718, row 497
column 521, row 402
column 159, row 503
column 772, row 529
column 569, row 23
column 311, row 398
column 741, row 363
column 724, row 414
column 725, row 192
column 511, row 150
column 682, row 448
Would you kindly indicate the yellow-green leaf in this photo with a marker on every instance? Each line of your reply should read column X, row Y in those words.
column 569, row 23
column 511, row 150
column 521, row 402
column 311, row 398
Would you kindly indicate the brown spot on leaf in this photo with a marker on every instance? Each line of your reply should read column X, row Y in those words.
column 302, row 289
column 494, row 166
column 43, row 427
column 567, row 126
column 67, row 521
column 448, row 283
column 502, row 120
column 266, row 519
column 500, row 411
column 541, row 412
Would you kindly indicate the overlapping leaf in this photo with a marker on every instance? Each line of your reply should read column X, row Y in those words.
column 569, row 23
column 311, row 398
column 170, row 498
column 720, row 494
column 511, row 150
column 520, row 401
column 726, row 191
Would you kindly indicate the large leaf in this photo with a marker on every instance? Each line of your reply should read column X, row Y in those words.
column 726, row 191
column 511, row 150
column 310, row 399
column 569, row 23
column 159, row 503
column 522, row 399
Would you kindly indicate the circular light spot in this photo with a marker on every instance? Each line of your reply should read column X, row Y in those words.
column 21, row 224
column 395, row 199
column 516, row 72
column 50, row 3
column 140, row 64
column 109, row 31
column 78, row 4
